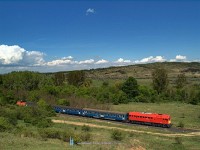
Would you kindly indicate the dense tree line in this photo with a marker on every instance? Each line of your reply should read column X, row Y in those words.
column 74, row 89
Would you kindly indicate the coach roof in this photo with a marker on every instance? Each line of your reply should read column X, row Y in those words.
column 104, row 111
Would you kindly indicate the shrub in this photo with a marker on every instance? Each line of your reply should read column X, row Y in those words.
column 4, row 124
column 117, row 135
column 43, row 123
column 50, row 133
column 181, row 124
column 183, row 115
column 63, row 102
column 10, row 114
column 194, row 101
column 77, row 138
column 142, row 98
column 178, row 140
column 85, row 136
column 86, row 128
column 27, row 133
column 131, row 134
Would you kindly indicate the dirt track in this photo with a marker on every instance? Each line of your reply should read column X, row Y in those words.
column 128, row 130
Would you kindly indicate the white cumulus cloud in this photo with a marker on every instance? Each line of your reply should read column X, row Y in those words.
column 179, row 58
column 68, row 57
column 59, row 62
column 102, row 61
column 33, row 58
column 15, row 55
column 62, row 61
column 90, row 61
column 11, row 54
column 121, row 60
column 151, row 59
column 90, row 11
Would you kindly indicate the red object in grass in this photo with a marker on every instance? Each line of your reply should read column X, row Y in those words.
column 21, row 103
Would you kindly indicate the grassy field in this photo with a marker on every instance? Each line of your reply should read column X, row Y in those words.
column 100, row 140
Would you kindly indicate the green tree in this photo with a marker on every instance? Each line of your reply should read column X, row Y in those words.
column 1, row 79
column 181, row 81
column 4, row 124
column 59, row 78
column 63, row 102
column 130, row 87
column 76, row 78
column 87, row 83
column 160, row 80
column 105, row 84
column 42, row 104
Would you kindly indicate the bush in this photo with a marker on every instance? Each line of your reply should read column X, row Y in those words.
column 10, row 114
column 181, row 124
column 85, row 136
column 178, row 140
column 2, row 100
column 194, row 101
column 4, row 124
column 35, row 116
column 131, row 134
column 86, row 128
column 27, row 133
column 63, row 102
column 117, row 135
column 50, row 133
column 142, row 98
column 183, row 115
column 43, row 123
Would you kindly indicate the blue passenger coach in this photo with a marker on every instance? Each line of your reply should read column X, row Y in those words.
column 103, row 114
column 68, row 110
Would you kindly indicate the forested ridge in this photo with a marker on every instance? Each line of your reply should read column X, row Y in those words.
column 79, row 89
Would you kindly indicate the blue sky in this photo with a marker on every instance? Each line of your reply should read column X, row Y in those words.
column 66, row 35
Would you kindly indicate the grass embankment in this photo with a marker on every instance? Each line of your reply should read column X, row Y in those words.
column 99, row 139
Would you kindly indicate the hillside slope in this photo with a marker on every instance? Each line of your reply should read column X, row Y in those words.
column 143, row 71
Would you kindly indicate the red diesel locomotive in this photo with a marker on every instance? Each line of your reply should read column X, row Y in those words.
column 154, row 119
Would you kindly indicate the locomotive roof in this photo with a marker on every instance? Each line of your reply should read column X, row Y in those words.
column 105, row 111
column 150, row 114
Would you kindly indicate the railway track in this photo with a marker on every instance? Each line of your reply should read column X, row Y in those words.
column 172, row 129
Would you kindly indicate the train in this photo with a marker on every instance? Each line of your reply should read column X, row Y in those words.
column 153, row 119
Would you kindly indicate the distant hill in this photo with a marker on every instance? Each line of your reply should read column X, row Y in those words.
column 143, row 71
